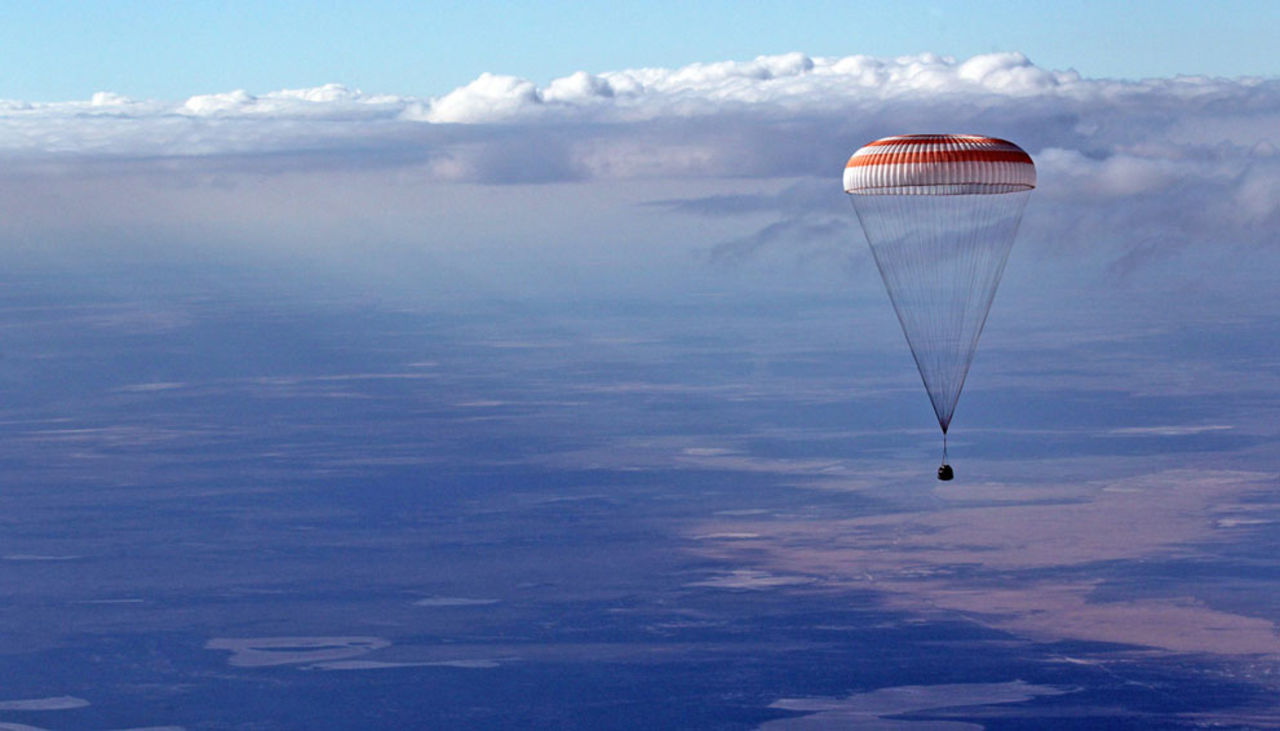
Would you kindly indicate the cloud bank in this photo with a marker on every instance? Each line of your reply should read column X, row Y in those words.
column 773, row 116
column 1170, row 162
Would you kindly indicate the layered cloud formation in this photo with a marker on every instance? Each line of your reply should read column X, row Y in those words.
column 1190, row 158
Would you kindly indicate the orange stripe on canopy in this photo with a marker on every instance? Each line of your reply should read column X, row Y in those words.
column 939, row 156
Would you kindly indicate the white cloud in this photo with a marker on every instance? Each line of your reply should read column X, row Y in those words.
column 488, row 98
column 1159, row 163
column 1121, row 174
column 580, row 87
column 789, row 86
column 235, row 101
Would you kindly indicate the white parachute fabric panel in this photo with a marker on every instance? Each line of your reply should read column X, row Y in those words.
column 941, row 255
column 939, row 165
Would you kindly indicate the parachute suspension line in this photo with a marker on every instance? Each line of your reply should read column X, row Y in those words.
column 941, row 258
column 944, row 448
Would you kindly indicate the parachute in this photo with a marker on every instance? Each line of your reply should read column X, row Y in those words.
column 940, row 212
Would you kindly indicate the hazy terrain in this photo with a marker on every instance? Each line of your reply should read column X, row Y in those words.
column 714, row 510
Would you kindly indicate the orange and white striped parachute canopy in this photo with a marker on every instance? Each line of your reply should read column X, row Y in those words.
column 939, row 165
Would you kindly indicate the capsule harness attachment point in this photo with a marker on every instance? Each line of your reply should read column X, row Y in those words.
column 945, row 472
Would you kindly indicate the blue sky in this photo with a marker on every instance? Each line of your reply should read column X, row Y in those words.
column 59, row 50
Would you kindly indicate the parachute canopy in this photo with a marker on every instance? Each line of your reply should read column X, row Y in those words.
column 940, row 213
column 939, row 165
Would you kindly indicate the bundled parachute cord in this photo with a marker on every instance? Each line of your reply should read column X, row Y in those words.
column 945, row 473
column 941, row 258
